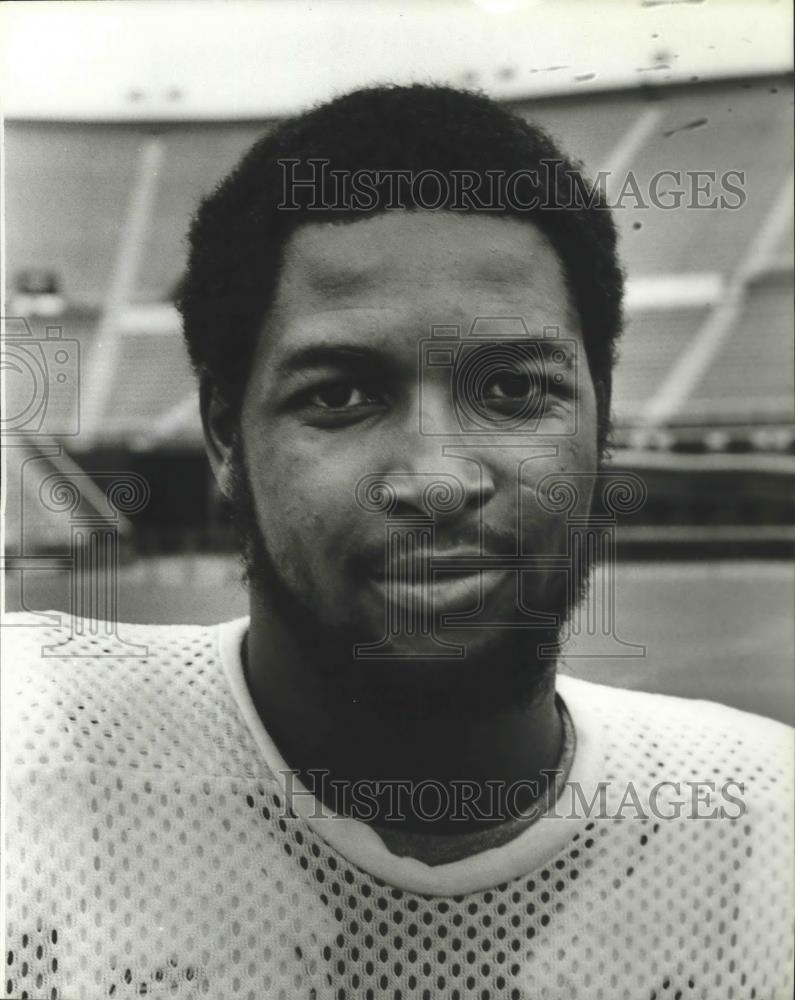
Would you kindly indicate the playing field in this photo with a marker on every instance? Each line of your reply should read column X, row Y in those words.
column 717, row 630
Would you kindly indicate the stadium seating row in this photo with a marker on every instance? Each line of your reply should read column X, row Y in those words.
column 72, row 186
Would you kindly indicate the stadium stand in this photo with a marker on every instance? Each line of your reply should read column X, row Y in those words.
column 706, row 364
column 752, row 380
column 138, row 403
column 649, row 348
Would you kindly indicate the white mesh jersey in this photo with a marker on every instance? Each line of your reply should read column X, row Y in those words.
column 151, row 850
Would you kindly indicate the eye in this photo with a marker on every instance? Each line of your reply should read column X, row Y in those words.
column 508, row 385
column 511, row 392
column 340, row 395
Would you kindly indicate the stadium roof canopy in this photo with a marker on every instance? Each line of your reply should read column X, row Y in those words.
column 147, row 60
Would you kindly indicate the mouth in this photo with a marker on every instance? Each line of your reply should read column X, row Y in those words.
column 416, row 587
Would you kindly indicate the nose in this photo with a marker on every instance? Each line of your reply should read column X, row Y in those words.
column 429, row 458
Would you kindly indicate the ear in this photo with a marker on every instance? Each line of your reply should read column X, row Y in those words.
column 220, row 429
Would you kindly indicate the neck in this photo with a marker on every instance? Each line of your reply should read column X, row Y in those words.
column 484, row 732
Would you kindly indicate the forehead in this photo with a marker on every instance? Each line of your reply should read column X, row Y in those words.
column 400, row 273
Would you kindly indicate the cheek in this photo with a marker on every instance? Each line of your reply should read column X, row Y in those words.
column 304, row 496
column 553, row 489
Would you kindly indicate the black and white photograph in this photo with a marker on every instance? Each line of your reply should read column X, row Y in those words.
column 398, row 500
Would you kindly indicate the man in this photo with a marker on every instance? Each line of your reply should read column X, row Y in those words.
column 374, row 785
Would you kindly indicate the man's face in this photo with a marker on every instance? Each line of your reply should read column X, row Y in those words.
column 342, row 394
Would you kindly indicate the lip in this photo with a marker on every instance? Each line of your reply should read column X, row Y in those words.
column 439, row 592
column 459, row 561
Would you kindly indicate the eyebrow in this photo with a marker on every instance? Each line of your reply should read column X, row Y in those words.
column 357, row 356
column 321, row 355
column 332, row 280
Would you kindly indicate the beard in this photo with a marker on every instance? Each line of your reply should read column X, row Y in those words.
column 516, row 669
